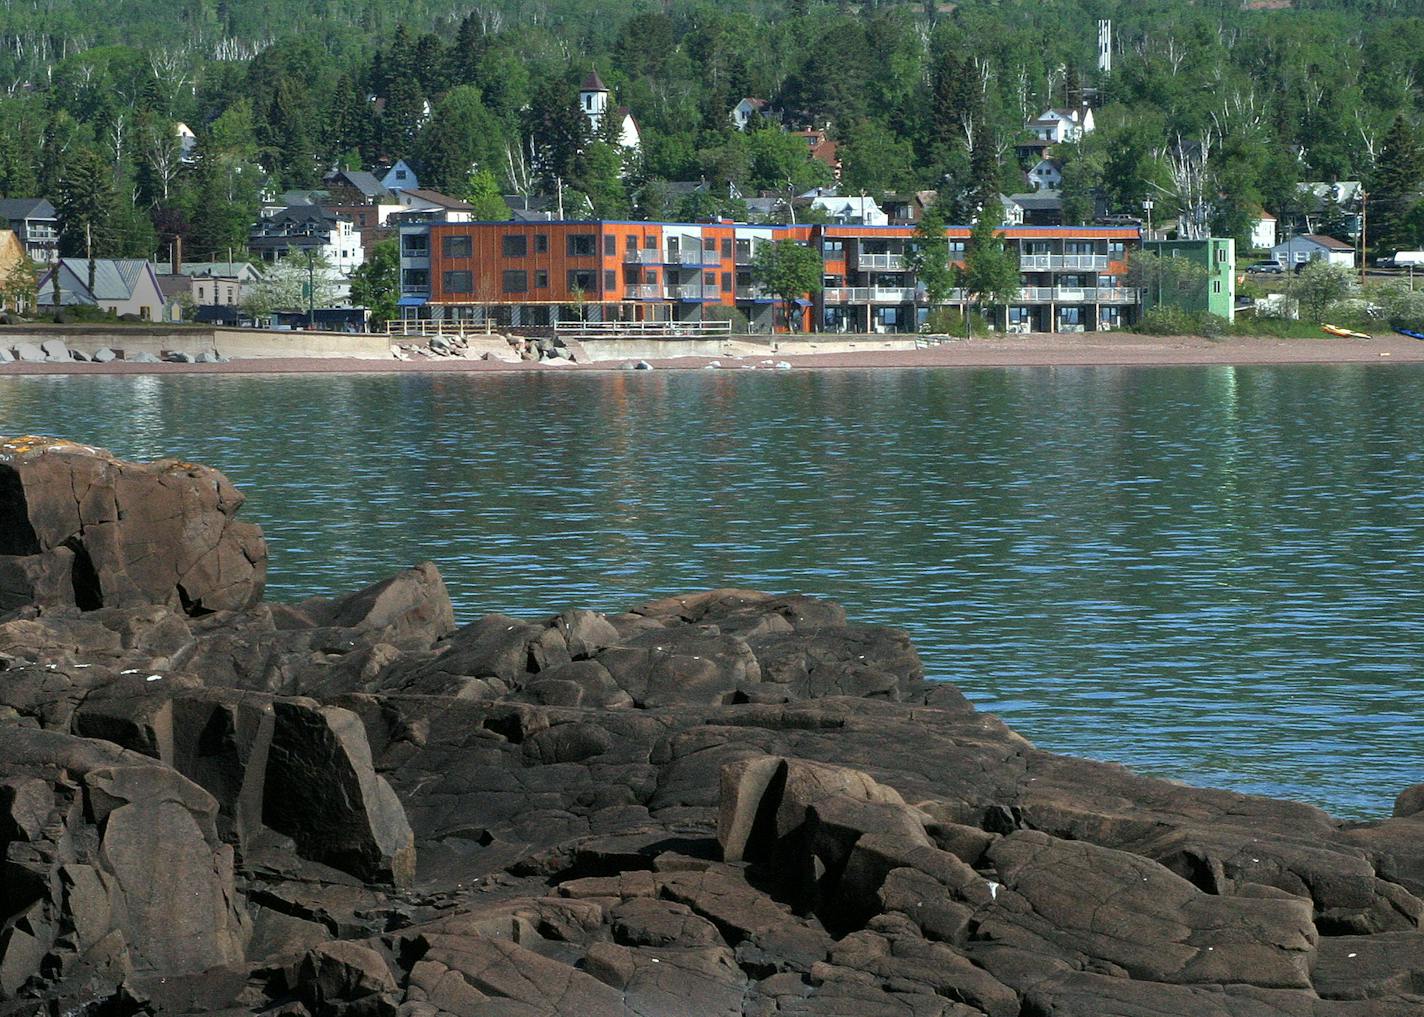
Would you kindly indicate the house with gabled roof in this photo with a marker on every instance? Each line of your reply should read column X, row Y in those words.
column 400, row 177
column 35, row 223
column 746, row 112
column 120, row 286
column 1293, row 252
column 440, row 206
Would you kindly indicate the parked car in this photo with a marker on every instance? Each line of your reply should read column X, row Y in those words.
column 1266, row 267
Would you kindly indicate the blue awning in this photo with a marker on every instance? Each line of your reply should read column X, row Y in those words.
column 802, row 302
column 411, row 301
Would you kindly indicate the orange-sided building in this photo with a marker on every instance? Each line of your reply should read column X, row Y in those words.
column 540, row 273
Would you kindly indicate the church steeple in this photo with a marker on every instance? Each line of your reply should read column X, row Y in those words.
column 593, row 99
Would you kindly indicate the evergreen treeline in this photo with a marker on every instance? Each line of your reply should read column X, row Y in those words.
column 1212, row 110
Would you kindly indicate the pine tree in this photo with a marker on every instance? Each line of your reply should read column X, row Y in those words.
column 86, row 206
column 1394, row 191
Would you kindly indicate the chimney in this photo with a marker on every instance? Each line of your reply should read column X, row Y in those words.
column 177, row 255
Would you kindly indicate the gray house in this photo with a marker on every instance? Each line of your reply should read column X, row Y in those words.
column 36, row 224
column 121, row 286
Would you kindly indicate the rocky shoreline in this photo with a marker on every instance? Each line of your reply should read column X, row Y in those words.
column 727, row 803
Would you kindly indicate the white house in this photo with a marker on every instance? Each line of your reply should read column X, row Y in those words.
column 400, row 177
column 434, row 205
column 309, row 228
column 859, row 209
column 1263, row 232
column 1316, row 194
column 1046, row 175
column 1295, row 251
column 1054, row 126
column 187, row 142
column 593, row 102
column 748, row 109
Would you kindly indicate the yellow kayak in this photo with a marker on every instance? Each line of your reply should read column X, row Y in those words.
column 1344, row 333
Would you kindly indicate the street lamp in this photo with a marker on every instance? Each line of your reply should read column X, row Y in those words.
column 1147, row 207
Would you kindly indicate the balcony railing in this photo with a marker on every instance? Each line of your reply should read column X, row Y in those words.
column 1078, row 294
column 688, row 254
column 881, row 262
column 870, row 295
column 644, row 291
column 691, row 291
column 1062, row 262
column 753, row 293
column 642, row 256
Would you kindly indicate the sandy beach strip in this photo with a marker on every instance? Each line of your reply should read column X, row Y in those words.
column 1116, row 349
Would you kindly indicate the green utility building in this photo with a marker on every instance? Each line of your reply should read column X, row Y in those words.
column 1215, row 254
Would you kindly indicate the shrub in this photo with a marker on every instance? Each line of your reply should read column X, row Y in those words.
column 950, row 321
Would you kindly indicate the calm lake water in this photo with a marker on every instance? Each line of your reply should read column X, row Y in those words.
column 1210, row 574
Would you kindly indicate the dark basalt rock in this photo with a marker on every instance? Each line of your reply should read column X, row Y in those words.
column 726, row 803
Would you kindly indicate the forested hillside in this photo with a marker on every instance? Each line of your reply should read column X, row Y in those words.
column 1208, row 105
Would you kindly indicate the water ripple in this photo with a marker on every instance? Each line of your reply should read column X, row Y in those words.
column 1211, row 574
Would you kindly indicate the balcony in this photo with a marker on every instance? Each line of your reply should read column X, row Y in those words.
column 643, row 291
column 881, row 262
column 743, row 255
column 691, row 292
column 1062, row 262
column 753, row 293
column 870, row 295
column 691, row 253
column 642, row 256
column 1077, row 295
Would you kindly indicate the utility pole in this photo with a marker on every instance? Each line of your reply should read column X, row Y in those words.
column 311, row 287
column 89, row 253
column 1364, row 228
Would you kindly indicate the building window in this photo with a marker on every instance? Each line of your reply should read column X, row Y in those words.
column 415, row 245
column 650, row 243
column 541, row 280
column 1070, row 315
column 1117, row 250
column 726, row 282
column 583, row 245
column 1216, row 285
column 200, row 293
column 956, row 248
column 516, row 281
column 515, row 245
column 727, row 247
column 630, row 243
column 416, row 279
column 709, row 280
column 458, row 282
column 541, row 243
column 458, row 246
column 585, row 279
column 833, row 247
column 709, row 244
column 610, row 246
column 610, row 281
